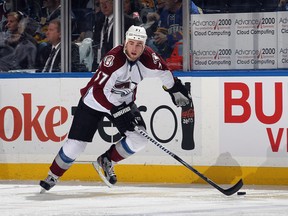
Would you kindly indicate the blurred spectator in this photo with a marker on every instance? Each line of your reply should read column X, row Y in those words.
column 160, row 6
column 20, row 46
column 169, row 30
column 151, row 24
column 103, row 31
column 153, row 19
column 283, row 5
column 10, row 35
column 83, row 11
column 86, row 28
column 31, row 8
column 95, row 16
column 147, row 6
column 148, row 3
column 131, row 9
column 51, row 10
column 53, row 62
column 5, row 7
column 11, row 27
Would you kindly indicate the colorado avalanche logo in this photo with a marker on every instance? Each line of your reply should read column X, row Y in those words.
column 109, row 61
column 124, row 88
column 156, row 60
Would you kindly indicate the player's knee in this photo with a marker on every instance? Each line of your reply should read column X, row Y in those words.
column 73, row 148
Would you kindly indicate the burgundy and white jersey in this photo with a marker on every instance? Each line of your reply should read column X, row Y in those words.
column 116, row 78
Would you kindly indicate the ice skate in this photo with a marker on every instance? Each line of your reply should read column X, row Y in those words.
column 48, row 183
column 104, row 168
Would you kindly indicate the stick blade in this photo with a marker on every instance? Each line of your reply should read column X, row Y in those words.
column 233, row 189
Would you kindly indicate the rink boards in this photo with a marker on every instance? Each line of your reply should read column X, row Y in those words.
column 240, row 129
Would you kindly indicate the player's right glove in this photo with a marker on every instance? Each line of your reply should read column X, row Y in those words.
column 179, row 93
column 123, row 117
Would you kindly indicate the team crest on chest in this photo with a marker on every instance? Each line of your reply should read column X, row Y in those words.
column 124, row 88
column 109, row 61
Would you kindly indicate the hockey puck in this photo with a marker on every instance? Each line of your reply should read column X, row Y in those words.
column 241, row 193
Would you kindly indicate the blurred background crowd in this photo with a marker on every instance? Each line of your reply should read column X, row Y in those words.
column 30, row 30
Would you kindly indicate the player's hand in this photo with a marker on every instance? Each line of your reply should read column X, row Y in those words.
column 160, row 38
column 179, row 99
column 123, row 117
column 179, row 94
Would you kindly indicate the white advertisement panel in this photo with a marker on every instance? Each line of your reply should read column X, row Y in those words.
column 239, row 121
column 255, row 41
column 253, row 119
column 36, row 115
column 234, row 41
column 212, row 39
column 282, row 39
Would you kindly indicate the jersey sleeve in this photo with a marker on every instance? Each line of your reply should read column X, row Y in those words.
column 155, row 66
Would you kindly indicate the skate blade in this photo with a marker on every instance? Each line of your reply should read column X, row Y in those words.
column 98, row 169
column 42, row 191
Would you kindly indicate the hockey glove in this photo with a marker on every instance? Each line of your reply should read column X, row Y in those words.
column 138, row 119
column 123, row 117
column 179, row 93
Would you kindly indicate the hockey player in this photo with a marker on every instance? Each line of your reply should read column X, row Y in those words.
column 111, row 92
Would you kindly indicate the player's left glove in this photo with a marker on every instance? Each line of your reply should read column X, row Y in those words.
column 179, row 93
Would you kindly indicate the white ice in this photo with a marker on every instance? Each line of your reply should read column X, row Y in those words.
column 94, row 198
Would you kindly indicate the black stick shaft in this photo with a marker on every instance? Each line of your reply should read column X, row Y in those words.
column 227, row 192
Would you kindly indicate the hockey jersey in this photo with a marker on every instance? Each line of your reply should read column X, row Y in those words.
column 116, row 79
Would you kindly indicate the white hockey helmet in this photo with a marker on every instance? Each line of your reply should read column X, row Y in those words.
column 136, row 33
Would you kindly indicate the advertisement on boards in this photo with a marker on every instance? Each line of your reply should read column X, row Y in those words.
column 253, row 118
column 36, row 116
column 212, row 37
column 241, row 119
column 282, row 40
column 234, row 41
column 255, row 41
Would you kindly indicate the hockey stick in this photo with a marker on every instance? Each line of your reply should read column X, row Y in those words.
column 227, row 192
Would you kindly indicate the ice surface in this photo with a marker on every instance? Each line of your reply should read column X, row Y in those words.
column 94, row 198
